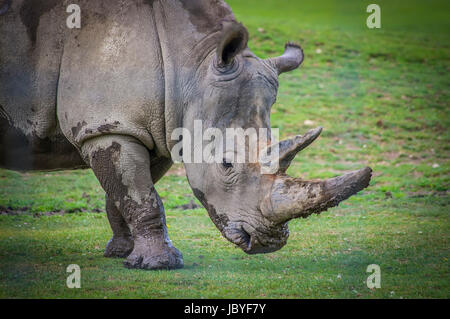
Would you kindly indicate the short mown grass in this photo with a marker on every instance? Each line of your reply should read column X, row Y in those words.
column 382, row 98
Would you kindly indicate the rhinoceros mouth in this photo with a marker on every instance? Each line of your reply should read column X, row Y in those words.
column 238, row 236
column 253, row 241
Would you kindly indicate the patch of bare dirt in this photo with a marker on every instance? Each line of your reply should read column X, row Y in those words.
column 428, row 193
column 26, row 210
column 190, row 205
column 177, row 170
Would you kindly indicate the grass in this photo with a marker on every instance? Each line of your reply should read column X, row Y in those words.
column 382, row 97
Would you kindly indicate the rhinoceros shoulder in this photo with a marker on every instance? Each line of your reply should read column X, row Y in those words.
column 205, row 14
column 31, row 12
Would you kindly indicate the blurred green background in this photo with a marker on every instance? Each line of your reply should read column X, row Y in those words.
column 382, row 97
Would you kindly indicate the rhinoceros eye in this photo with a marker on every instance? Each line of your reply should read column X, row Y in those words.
column 226, row 164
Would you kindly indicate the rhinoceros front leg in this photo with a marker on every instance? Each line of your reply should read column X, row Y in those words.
column 122, row 165
column 121, row 244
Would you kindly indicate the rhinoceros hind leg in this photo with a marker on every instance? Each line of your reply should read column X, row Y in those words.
column 121, row 244
column 122, row 165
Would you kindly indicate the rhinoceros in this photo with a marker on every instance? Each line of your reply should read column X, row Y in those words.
column 109, row 94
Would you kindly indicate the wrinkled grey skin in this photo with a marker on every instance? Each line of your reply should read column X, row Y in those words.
column 108, row 96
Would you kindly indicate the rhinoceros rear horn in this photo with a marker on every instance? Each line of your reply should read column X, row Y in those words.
column 290, row 60
column 234, row 39
column 289, row 148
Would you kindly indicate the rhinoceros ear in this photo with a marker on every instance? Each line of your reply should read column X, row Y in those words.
column 234, row 39
column 290, row 60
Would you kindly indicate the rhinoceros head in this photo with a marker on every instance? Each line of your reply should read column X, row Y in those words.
column 252, row 208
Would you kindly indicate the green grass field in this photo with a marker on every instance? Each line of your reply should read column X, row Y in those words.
column 382, row 97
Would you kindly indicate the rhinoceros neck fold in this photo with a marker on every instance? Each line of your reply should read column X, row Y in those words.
column 188, row 34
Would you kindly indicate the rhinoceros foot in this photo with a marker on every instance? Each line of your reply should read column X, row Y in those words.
column 119, row 247
column 145, row 257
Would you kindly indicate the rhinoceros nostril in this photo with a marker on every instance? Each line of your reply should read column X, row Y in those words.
column 246, row 238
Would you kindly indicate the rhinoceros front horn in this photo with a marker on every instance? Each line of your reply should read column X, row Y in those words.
column 293, row 197
column 290, row 197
